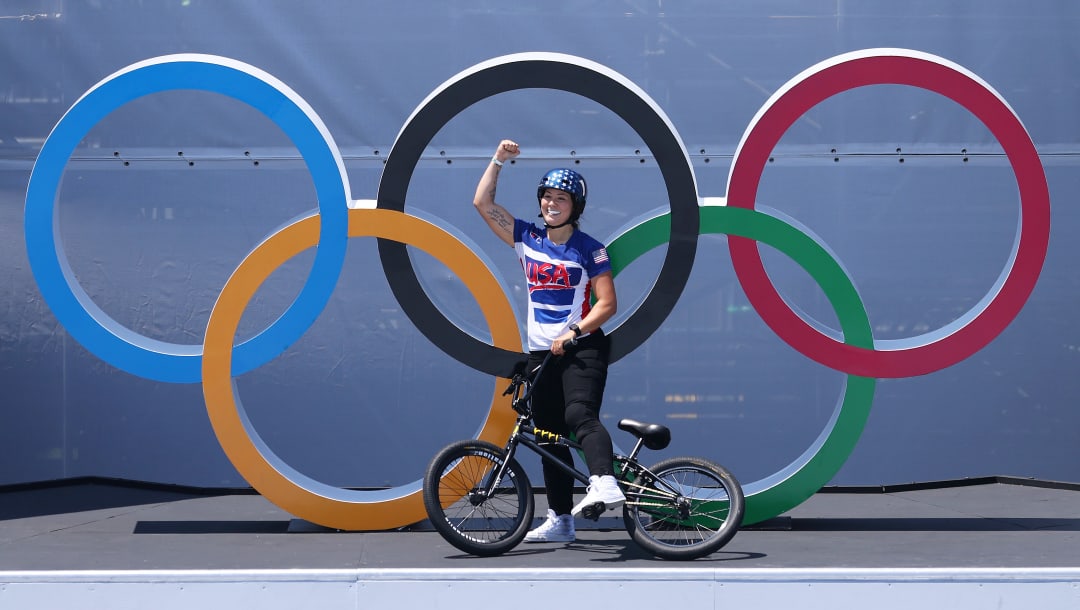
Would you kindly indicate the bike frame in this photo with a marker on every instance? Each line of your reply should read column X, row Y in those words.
column 519, row 438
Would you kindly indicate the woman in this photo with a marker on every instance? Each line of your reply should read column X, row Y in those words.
column 564, row 269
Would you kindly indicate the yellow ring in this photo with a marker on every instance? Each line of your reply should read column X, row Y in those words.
column 292, row 491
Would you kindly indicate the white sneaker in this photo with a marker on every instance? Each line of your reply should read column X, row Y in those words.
column 557, row 528
column 603, row 494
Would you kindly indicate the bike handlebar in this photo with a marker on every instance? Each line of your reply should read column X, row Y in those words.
column 520, row 377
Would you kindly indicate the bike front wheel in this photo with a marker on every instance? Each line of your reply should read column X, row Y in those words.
column 683, row 508
column 468, row 507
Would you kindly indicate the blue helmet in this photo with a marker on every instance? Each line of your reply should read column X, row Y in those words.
column 565, row 180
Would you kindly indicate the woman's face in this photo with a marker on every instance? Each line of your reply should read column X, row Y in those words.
column 556, row 206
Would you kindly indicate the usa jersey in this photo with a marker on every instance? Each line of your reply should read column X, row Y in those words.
column 559, row 278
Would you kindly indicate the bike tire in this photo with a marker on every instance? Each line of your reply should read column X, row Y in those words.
column 475, row 524
column 683, row 508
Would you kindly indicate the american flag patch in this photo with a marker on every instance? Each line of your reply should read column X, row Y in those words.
column 600, row 256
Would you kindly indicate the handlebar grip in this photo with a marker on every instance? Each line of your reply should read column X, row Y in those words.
column 514, row 382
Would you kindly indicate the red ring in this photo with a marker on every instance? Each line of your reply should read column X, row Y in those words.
column 901, row 67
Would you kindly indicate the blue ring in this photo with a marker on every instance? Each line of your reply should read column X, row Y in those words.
column 92, row 327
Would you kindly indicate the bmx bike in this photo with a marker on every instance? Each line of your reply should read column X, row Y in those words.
column 478, row 497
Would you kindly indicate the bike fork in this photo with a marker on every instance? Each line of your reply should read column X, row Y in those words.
column 496, row 477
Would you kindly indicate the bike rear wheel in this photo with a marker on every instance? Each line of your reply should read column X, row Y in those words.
column 683, row 508
column 467, row 509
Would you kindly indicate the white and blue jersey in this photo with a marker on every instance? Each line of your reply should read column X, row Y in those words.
column 559, row 278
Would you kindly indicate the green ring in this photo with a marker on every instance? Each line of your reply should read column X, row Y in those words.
column 792, row 485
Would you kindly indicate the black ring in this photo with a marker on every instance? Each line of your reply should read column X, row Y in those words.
column 541, row 71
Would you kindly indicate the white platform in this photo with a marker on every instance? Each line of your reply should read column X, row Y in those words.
column 999, row 546
column 524, row 588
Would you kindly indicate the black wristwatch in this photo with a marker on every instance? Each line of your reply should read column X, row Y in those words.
column 577, row 331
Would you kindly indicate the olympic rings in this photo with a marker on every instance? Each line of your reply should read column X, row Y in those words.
column 269, row 475
column 974, row 330
column 91, row 326
column 857, row 355
column 550, row 71
column 818, row 464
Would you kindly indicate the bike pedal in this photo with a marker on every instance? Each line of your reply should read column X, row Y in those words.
column 593, row 511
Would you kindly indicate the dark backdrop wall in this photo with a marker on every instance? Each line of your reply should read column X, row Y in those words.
column 165, row 196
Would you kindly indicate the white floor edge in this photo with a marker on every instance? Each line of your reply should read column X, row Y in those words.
column 690, row 587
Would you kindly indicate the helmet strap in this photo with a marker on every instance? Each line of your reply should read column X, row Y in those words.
column 574, row 216
column 546, row 225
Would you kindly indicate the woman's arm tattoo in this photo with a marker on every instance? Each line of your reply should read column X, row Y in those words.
column 496, row 214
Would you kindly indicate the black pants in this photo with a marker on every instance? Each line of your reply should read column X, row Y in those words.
column 567, row 400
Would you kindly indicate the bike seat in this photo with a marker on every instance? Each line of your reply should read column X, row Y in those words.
column 655, row 436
